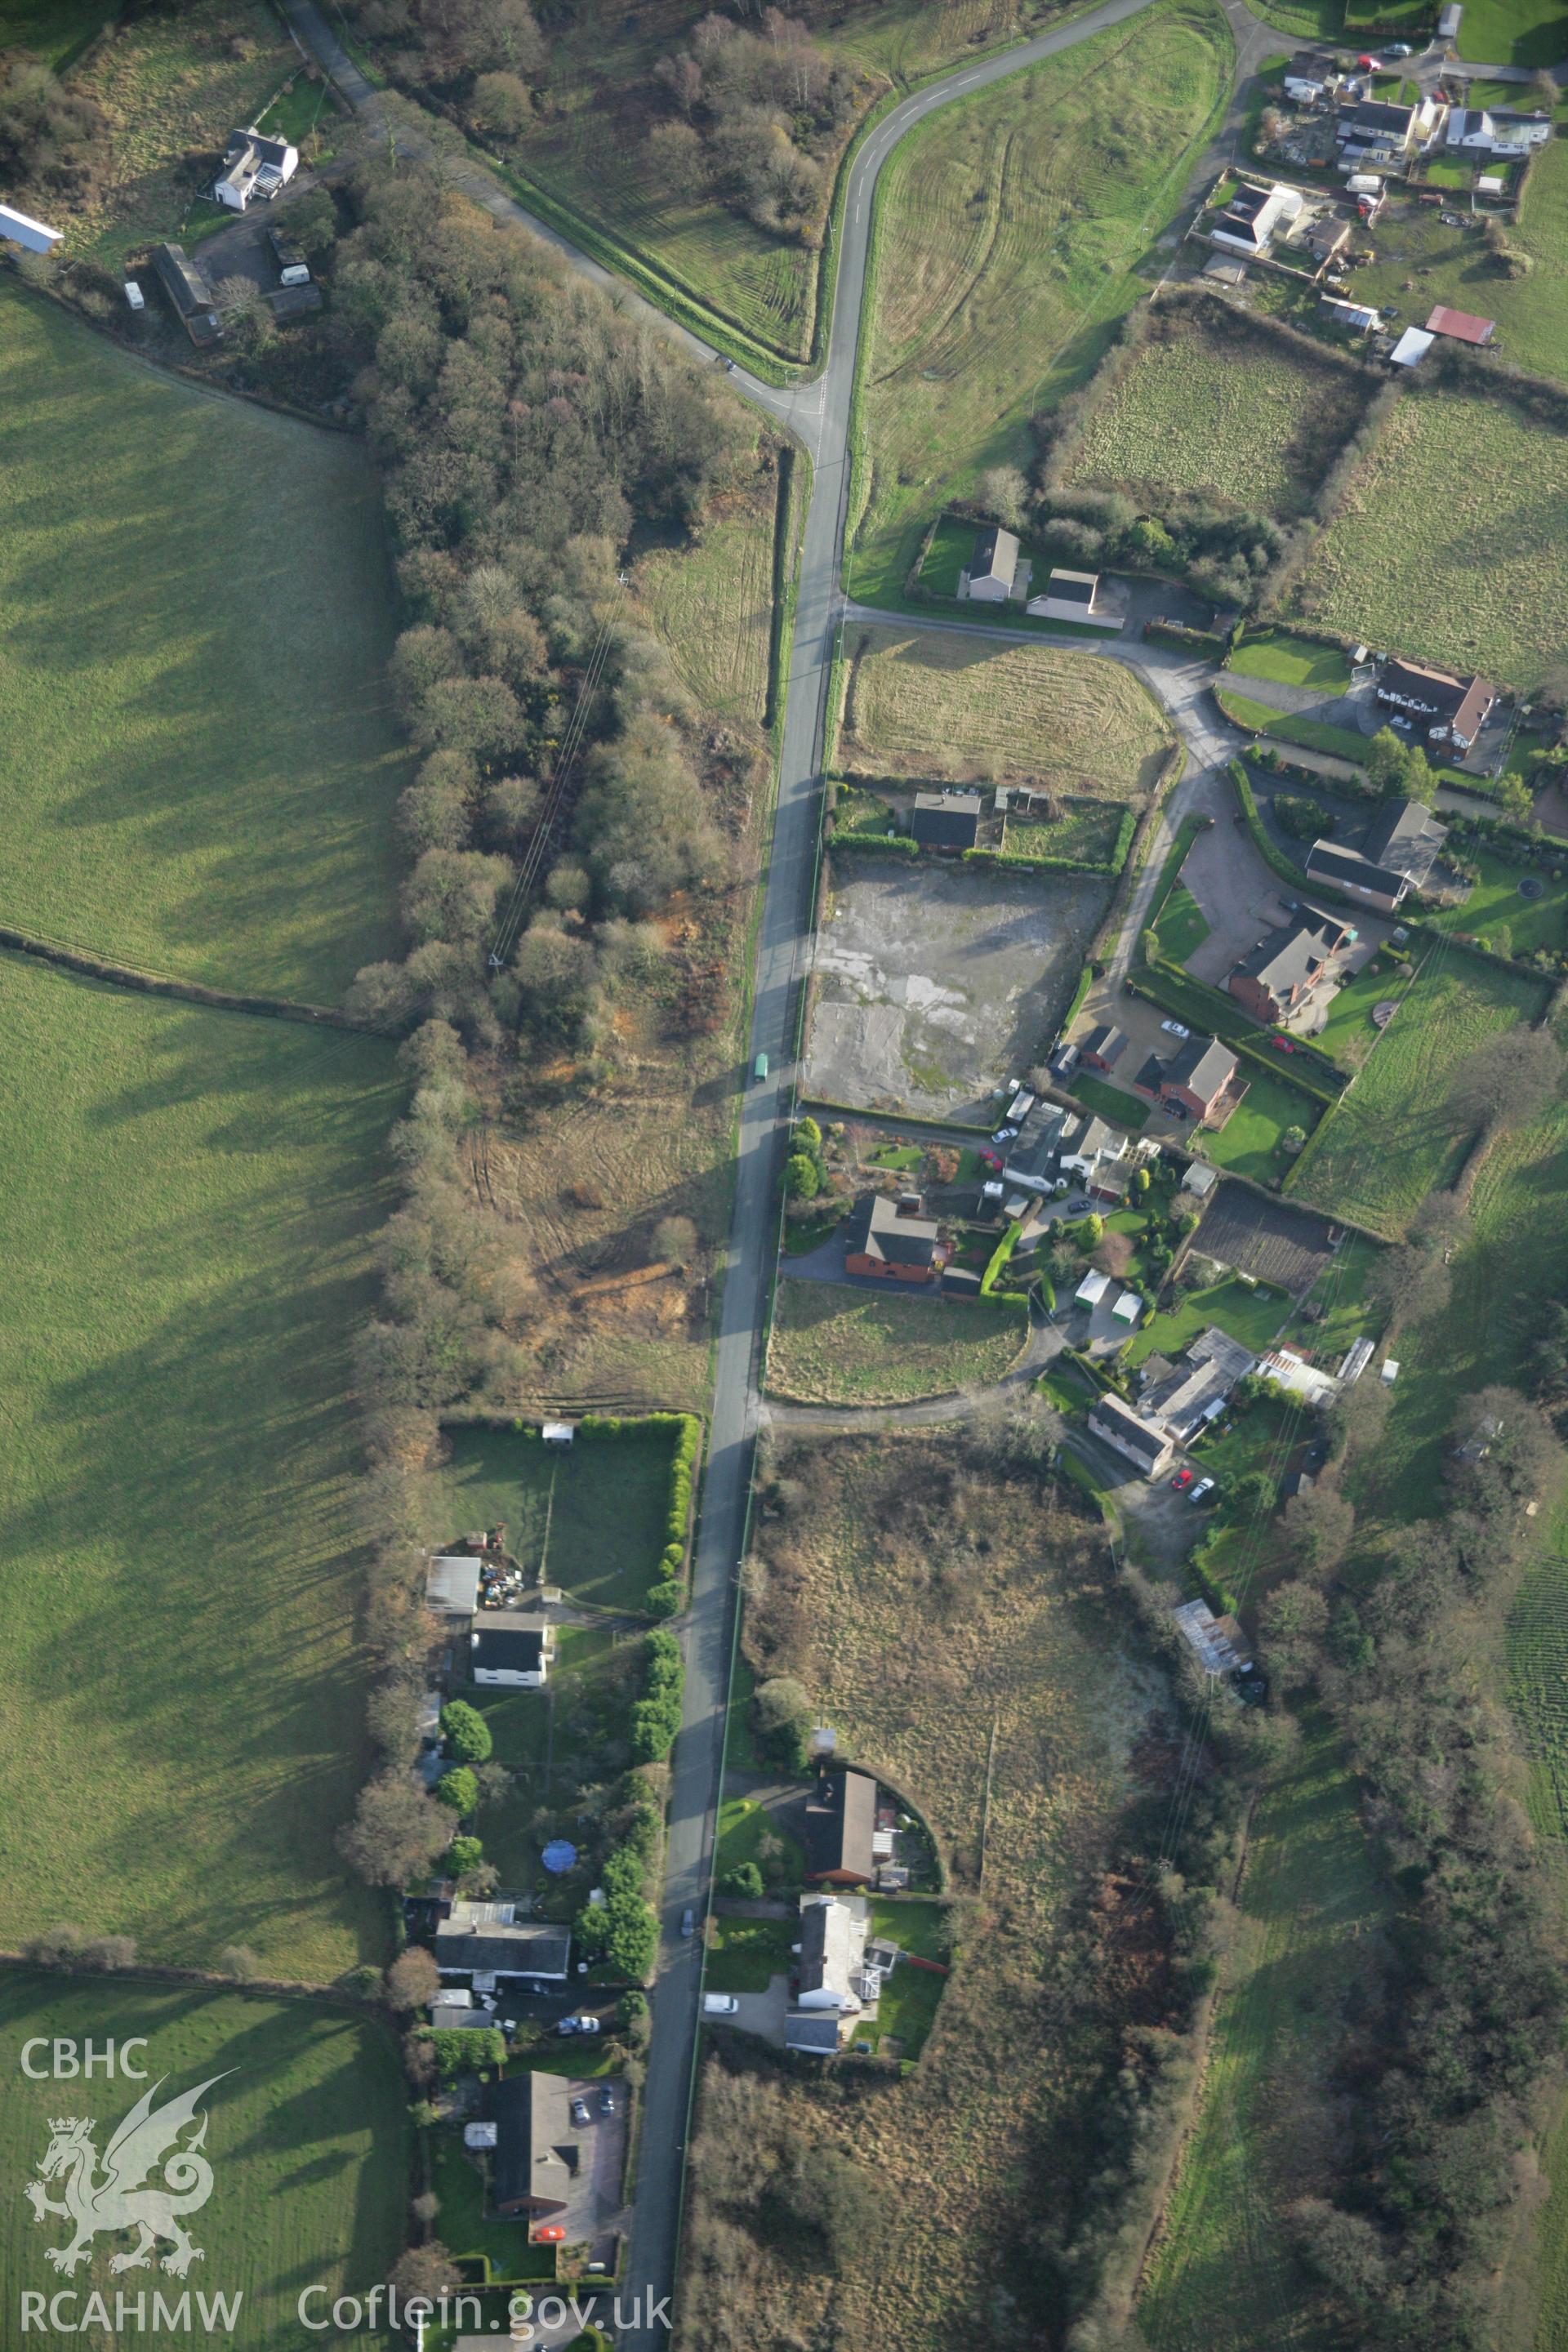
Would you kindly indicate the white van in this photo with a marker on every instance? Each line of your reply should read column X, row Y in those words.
column 720, row 2004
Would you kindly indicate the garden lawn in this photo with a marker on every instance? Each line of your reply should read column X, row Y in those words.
column 307, row 2134
column 589, row 1516
column 1181, row 926
column 746, row 1954
column 1110, row 1102
column 922, row 703
column 1213, row 404
column 190, row 1202
column 1012, row 233
column 469, row 2233
column 744, row 1828
column 1514, row 32
column 1086, row 830
column 1393, row 1139
column 1495, row 912
column 1292, row 660
column 1348, row 1036
column 200, row 759
column 1340, row 1292
column 1502, row 514
column 1249, row 1142
column 1308, row 1945
column 1253, row 1314
column 555, row 1742
column 834, row 1345
column 1312, row 734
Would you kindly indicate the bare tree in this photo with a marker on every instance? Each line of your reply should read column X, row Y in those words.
column 413, row 1980
column 1504, row 1083
column 396, row 1831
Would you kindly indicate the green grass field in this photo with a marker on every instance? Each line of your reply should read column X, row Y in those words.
column 590, row 1516
column 745, row 1953
column 1011, row 232
column 308, row 2139
column 838, row 1345
column 1213, row 404
column 747, row 1833
column 52, row 29
column 1514, row 32
column 1392, row 1140
column 1253, row 1314
column 1503, row 512
column 190, row 1197
column 1223, row 2278
column 1495, row 908
column 1347, row 1035
column 1110, row 1102
column 1087, row 829
column 1250, row 1140
column 1292, row 660
column 200, row 759
column 469, row 2231
column 1181, row 926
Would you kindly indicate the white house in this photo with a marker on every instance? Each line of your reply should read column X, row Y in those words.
column 512, row 1648
column 1070, row 596
column 833, row 1972
column 1496, row 130
column 20, row 228
column 1253, row 214
column 994, row 566
column 255, row 169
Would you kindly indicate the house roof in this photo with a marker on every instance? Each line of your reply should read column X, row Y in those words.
column 1072, row 587
column 503, row 1946
column 183, row 279
column 1326, row 861
column 1435, row 689
column 1146, row 1439
column 995, row 555
column 508, row 1641
column 1413, row 346
column 811, row 2029
column 1462, row 325
column 536, row 2147
column 1407, row 838
column 21, row 229
column 1106, row 1043
column 875, row 1229
column 840, row 1816
column 1374, row 114
column 1288, row 959
column 1089, row 1138
column 276, row 151
column 452, row 1584
column 946, row 820
column 1203, row 1066
column 830, row 1950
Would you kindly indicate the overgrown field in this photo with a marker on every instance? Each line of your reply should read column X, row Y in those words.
column 841, row 1346
column 172, row 84
column 927, row 703
column 712, row 602
column 1304, row 1963
column 589, row 1516
column 189, row 1201
column 1213, row 403
column 1458, row 487
column 200, row 760
column 1012, row 231
column 951, row 1628
column 1393, row 1139
column 307, row 2137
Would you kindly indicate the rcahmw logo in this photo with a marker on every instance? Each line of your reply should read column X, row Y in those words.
column 152, row 2176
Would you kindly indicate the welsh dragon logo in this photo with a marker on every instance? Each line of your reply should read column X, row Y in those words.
column 120, row 2197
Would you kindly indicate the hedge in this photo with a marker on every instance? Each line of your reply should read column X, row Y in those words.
column 999, row 1257
column 656, row 1718
column 1010, row 861
column 1175, row 633
column 682, row 1475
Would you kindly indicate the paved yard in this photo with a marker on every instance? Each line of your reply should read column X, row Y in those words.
column 937, row 983
column 1240, row 899
column 762, row 2013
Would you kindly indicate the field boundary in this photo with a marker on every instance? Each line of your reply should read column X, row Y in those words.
column 190, row 992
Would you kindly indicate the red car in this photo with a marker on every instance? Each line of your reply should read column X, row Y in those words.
column 1283, row 1045
column 1369, row 65
column 1183, row 1479
column 990, row 1160
column 551, row 2235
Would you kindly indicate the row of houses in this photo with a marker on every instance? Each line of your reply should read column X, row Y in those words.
column 1369, row 129
column 1177, row 1401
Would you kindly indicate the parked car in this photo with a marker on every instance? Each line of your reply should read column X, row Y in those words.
column 552, row 2234
column 990, row 1160
column 720, row 2004
column 607, row 2103
column 688, row 1921
column 1176, row 1028
column 1400, row 49
column 580, row 2112
column 292, row 267
column 1006, row 1135
column 1182, row 1481
column 1204, row 1487
column 760, row 1068
column 1283, row 1045
column 579, row 2025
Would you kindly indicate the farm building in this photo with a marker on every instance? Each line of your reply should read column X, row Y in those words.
column 287, row 302
column 1360, row 317
column 945, row 820
column 1147, row 1445
column 840, row 1827
column 486, row 1940
column 1253, row 214
column 1071, row 597
column 892, row 1241
column 994, row 566
column 536, row 2151
column 452, row 1585
column 511, row 1649
column 1411, row 348
column 1450, row 18
column 1280, row 972
column 1219, row 1642
column 189, row 294
column 254, row 169
column 21, row 229
column 1455, row 709
column 1461, row 326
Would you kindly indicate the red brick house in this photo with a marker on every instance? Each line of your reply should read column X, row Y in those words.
column 892, row 1241
column 1196, row 1075
column 1281, row 972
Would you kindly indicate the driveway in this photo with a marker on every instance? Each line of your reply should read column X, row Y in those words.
column 762, row 2013
column 1239, row 894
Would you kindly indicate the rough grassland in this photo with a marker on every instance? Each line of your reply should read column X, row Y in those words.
column 833, row 1346
column 170, row 82
column 200, row 757
column 1393, row 1139
column 1223, row 2278
column 1011, row 231
column 309, row 2141
column 50, row 29
column 922, row 703
column 589, row 1516
column 189, row 1197
column 1457, row 490
column 956, row 1638
column 712, row 602
column 1234, row 416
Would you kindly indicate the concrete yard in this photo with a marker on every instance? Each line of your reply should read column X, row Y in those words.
column 934, row 983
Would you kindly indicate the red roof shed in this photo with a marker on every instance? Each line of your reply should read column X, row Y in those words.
column 1463, row 328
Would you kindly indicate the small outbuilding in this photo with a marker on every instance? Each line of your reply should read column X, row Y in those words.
column 945, row 820
column 1073, row 596
column 452, row 1585
column 1411, row 348
column 1461, row 326
column 21, row 229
